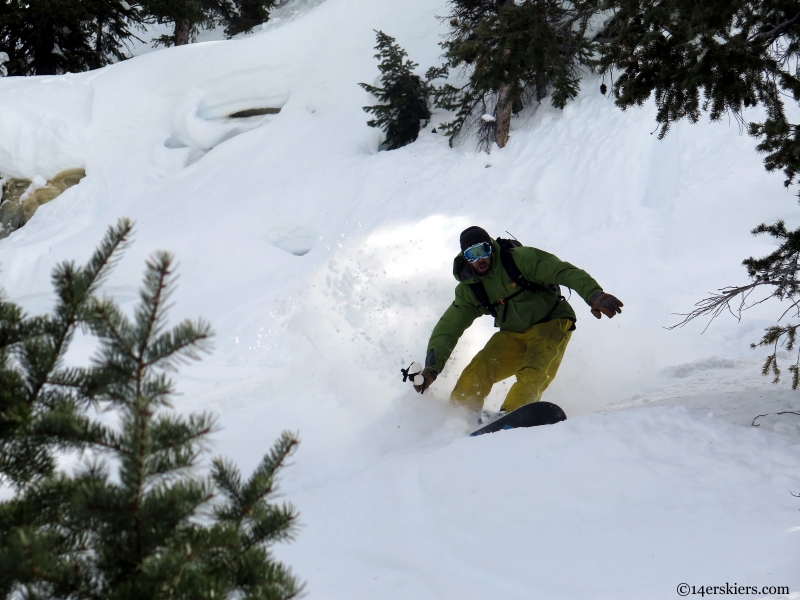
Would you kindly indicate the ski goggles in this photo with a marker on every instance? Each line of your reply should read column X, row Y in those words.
column 478, row 251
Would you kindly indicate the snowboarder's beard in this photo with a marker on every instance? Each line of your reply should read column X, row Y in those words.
column 482, row 266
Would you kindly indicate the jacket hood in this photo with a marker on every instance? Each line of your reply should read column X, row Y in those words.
column 463, row 272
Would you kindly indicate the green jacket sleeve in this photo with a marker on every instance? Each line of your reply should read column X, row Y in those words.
column 538, row 265
column 455, row 320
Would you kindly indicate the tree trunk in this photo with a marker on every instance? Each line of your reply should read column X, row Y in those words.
column 541, row 89
column 502, row 115
column 45, row 61
column 98, row 45
column 182, row 30
column 502, row 112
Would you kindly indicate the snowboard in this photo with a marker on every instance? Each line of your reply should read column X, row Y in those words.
column 530, row 415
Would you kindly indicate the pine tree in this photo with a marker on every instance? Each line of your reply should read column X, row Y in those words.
column 514, row 54
column 135, row 521
column 719, row 58
column 243, row 15
column 185, row 16
column 404, row 95
column 49, row 37
column 112, row 22
column 716, row 57
column 45, row 38
column 188, row 16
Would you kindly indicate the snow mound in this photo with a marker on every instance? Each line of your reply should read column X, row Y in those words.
column 704, row 364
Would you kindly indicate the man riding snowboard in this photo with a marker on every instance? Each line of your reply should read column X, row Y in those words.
column 518, row 285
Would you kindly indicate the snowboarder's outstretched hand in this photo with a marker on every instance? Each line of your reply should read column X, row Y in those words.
column 429, row 377
column 607, row 304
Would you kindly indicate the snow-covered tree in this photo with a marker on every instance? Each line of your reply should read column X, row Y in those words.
column 720, row 58
column 404, row 95
column 716, row 57
column 136, row 520
column 243, row 15
column 112, row 24
column 514, row 53
column 187, row 17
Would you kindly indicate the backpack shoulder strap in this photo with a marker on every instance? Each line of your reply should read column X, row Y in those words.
column 482, row 297
column 516, row 275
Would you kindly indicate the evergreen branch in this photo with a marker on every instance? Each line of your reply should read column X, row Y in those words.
column 262, row 480
column 175, row 443
column 65, row 426
column 153, row 298
column 228, row 478
column 24, row 461
column 183, row 343
column 74, row 377
column 112, row 327
column 171, row 431
column 107, row 255
column 274, row 524
column 11, row 324
column 772, row 33
column 276, row 581
column 109, row 443
column 245, row 499
column 76, row 286
column 52, row 419
column 787, row 334
column 166, row 507
column 156, row 389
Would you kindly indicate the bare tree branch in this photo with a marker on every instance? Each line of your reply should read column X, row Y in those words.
column 785, row 412
column 774, row 31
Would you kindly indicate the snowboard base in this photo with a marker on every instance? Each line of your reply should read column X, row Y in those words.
column 530, row 415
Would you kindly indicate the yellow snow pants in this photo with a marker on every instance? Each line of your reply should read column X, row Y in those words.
column 533, row 356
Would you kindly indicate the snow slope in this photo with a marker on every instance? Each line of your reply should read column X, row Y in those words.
column 323, row 265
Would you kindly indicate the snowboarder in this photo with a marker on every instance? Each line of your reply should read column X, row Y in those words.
column 518, row 285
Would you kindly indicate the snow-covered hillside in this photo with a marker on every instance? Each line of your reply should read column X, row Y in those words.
column 323, row 265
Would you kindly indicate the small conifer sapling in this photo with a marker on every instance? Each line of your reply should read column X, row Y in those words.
column 404, row 95
column 136, row 519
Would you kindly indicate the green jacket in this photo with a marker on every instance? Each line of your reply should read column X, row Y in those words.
column 524, row 311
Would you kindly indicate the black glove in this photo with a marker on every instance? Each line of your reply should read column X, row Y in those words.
column 429, row 376
column 607, row 304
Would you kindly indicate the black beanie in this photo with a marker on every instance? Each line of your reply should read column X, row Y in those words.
column 473, row 235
